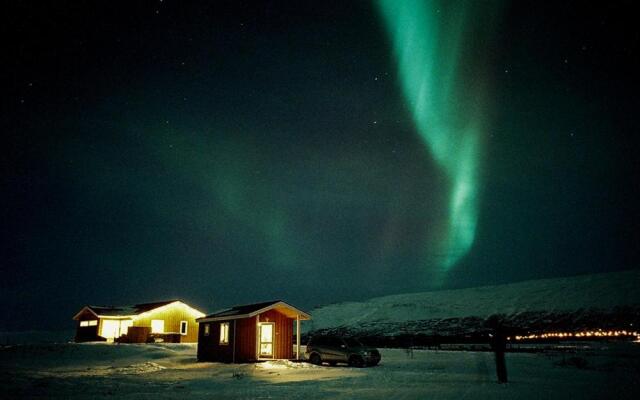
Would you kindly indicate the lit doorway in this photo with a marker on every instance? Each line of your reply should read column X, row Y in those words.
column 114, row 328
column 265, row 332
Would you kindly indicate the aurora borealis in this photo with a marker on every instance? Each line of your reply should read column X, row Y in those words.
column 428, row 39
column 229, row 152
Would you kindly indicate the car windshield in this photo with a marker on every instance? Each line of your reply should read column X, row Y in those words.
column 352, row 342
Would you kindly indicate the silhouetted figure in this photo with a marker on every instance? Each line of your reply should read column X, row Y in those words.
column 498, row 342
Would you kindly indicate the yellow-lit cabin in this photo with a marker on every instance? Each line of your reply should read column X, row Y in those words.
column 166, row 321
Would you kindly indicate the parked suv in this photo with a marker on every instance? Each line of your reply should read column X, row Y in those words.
column 335, row 349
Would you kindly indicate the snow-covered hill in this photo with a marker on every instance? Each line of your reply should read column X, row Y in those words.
column 609, row 299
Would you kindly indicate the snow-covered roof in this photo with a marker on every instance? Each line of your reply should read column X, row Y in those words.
column 127, row 311
column 251, row 310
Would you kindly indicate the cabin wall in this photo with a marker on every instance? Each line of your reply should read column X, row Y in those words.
column 246, row 339
column 209, row 347
column 87, row 333
column 100, row 322
column 172, row 316
column 283, row 335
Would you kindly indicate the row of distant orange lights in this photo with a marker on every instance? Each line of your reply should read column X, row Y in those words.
column 585, row 334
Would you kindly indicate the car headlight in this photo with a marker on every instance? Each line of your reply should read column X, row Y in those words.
column 365, row 353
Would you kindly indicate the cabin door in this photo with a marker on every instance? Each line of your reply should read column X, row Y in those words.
column 265, row 333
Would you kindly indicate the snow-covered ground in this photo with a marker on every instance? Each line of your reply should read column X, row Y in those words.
column 90, row 371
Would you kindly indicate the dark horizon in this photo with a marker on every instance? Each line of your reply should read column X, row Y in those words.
column 233, row 152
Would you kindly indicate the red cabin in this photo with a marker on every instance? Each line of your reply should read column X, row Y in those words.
column 253, row 332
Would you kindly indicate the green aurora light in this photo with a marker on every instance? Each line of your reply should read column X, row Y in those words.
column 446, row 97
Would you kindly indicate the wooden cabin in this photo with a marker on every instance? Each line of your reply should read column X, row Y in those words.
column 253, row 332
column 163, row 321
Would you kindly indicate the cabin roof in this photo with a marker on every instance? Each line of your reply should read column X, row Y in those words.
column 245, row 309
column 126, row 311
column 251, row 310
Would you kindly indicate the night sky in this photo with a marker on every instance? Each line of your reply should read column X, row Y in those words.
column 232, row 152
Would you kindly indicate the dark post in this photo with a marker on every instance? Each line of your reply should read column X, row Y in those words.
column 498, row 342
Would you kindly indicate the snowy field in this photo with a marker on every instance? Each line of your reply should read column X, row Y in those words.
column 95, row 371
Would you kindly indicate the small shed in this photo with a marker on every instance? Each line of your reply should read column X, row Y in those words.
column 167, row 321
column 253, row 332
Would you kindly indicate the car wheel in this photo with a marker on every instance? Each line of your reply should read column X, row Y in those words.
column 315, row 359
column 356, row 361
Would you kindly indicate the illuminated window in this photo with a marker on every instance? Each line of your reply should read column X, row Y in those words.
column 124, row 326
column 157, row 326
column 206, row 329
column 89, row 323
column 183, row 327
column 110, row 328
column 224, row 333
